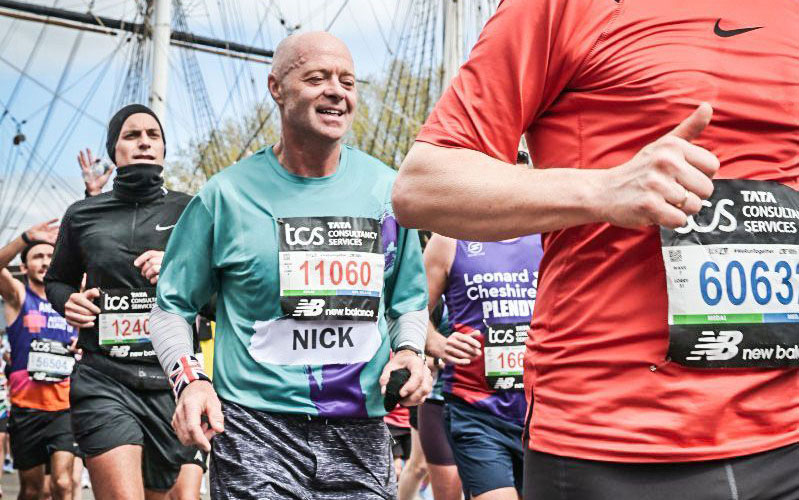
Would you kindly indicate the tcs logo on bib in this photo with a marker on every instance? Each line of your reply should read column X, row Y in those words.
column 728, row 226
column 304, row 235
column 115, row 303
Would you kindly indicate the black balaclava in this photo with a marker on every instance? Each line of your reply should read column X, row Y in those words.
column 137, row 182
column 115, row 127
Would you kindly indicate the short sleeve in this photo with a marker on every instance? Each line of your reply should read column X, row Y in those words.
column 406, row 291
column 187, row 278
column 526, row 55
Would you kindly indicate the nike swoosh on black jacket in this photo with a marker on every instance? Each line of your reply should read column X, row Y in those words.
column 102, row 236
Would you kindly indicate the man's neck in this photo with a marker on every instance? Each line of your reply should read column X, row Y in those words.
column 37, row 288
column 307, row 157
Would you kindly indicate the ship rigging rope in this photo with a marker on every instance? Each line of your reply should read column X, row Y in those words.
column 28, row 63
column 47, row 118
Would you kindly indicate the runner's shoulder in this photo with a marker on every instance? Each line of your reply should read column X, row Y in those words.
column 228, row 174
column 88, row 205
column 375, row 167
column 177, row 198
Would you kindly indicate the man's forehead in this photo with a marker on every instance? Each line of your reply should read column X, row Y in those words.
column 140, row 121
column 41, row 249
column 325, row 58
column 317, row 50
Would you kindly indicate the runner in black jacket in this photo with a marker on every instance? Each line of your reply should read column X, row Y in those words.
column 122, row 404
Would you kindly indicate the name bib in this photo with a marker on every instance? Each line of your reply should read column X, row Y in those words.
column 503, row 353
column 49, row 360
column 291, row 342
column 124, row 322
column 732, row 276
column 331, row 268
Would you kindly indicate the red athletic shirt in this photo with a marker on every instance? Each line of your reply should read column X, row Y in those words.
column 590, row 82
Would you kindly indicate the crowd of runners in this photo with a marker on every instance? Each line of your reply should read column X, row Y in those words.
column 618, row 322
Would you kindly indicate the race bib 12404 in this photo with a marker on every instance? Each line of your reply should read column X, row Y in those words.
column 732, row 275
column 331, row 268
column 124, row 322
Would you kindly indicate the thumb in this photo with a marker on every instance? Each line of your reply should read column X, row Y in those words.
column 690, row 128
column 383, row 381
column 215, row 417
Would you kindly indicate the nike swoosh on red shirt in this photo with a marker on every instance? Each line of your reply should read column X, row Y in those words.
column 728, row 33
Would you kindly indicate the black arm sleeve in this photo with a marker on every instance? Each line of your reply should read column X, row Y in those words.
column 64, row 275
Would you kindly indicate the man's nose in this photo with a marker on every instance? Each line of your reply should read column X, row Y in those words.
column 335, row 90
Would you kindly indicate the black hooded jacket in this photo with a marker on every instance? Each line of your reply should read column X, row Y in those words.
column 102, row 236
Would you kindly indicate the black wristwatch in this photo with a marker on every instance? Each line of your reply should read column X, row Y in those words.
column 408, row 347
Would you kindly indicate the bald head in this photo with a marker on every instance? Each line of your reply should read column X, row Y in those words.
column 313, row 83
column 293, row 51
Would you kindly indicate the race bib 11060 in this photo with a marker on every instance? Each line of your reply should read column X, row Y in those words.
column 503, row 353
column 331, row 268
column 732, row 275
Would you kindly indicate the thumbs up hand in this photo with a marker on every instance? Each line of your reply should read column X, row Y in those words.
column 665, row 181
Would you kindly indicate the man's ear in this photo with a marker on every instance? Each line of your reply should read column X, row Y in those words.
column 274, row 88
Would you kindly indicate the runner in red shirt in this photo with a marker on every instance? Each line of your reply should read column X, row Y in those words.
column 632, row 361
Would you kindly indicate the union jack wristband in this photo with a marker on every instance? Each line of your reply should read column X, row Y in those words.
column 186, row 370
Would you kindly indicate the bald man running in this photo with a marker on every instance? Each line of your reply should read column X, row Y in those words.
column 316, row 284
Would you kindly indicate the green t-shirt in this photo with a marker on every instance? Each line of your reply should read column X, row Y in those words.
column 305, row 270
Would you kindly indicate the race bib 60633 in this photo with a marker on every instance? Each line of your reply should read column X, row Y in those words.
column 331, row 268
column 732, row 275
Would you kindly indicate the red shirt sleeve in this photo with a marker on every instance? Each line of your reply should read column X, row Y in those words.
column 525, row 57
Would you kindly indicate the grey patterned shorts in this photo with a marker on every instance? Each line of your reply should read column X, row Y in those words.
column 272, row 455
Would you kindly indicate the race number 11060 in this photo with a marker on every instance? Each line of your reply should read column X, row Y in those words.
column 336, row 272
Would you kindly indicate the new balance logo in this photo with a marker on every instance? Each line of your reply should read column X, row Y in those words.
column 309, row 307
column 504, row 383
column 120, row 351
column 714, row 347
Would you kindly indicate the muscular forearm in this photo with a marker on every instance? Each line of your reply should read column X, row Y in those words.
column 469, row 195
column 435, row 342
